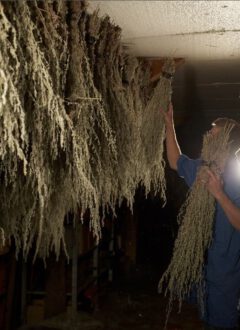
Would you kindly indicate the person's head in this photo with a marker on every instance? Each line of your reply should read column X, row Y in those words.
column 234, row 136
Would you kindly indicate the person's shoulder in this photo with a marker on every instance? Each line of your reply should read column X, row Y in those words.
column 186, row 164
column 184, row 159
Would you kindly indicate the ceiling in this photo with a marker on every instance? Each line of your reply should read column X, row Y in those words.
column 194, row 30
column 205, row 33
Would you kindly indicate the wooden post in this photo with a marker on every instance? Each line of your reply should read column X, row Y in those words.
column 10, row 289
column 95, row 264
column 55, row 300
column 74, row 270
column 23, row 291
column 111, row 254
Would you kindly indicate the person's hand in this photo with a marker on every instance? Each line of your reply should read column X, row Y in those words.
column 168, row 115
column 213, row 183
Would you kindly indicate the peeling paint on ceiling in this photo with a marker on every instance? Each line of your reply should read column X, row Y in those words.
column 195, row 30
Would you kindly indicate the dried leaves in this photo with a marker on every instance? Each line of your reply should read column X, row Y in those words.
column 73, row 121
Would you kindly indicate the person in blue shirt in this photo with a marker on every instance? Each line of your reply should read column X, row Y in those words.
column 222, row 265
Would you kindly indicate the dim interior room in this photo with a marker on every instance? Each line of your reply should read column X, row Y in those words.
column 94, row 201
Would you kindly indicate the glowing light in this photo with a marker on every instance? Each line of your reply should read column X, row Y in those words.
column 237, row 163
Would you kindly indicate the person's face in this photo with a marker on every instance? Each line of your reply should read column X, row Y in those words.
column 215, row 130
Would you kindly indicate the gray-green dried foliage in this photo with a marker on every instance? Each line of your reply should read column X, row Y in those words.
column 76, row 119
column 152, row 132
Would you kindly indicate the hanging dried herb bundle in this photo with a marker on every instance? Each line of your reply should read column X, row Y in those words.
column 27, row 192
column 104, row 152
column 123, row 82
column 73, row 121
column 153, row 132
column 55, row 181
column 116, row 89
column 196, row 216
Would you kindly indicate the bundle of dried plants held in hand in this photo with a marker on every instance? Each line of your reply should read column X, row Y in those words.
column 185, row 271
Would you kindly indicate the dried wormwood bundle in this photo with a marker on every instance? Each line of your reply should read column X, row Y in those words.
column 72, row 113
column 153, row 132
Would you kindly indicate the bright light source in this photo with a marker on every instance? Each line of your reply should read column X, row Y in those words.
column 237, row 154
column 237, row 157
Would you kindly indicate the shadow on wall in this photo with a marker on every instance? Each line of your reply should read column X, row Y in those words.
column 202, row 92
column 194, row 123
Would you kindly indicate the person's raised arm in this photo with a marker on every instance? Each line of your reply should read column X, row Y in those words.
column 173, row 150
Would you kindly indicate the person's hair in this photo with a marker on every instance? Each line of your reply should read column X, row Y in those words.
column 234, row 136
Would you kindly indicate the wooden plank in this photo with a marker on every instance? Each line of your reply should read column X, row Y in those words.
column 55, row 301
column 157, row 64
column 24, row 291
column 10, row 289
column 75, row 249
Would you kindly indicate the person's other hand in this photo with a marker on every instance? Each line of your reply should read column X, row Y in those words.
column 168, row 115
column 214, row 184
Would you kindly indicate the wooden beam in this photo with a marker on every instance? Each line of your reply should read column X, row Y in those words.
column 157, row 64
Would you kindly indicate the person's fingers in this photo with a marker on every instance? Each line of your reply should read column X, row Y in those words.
column 169, row 110
column 163, row 113
column 212, row 175
column 204, row 179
